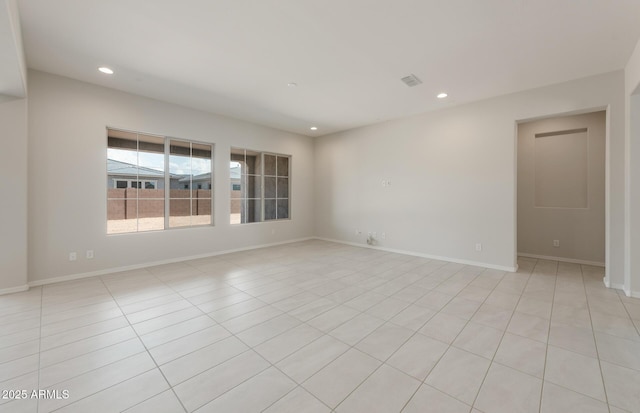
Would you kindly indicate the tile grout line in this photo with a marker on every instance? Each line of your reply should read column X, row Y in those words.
column 249, row 348
column 635, row 325
column 422, row 382
column 82, row 326
column 146, row 350
column 40, row 346
column 583, row 355
column 309, row 259
column 502, row 337
column 108, row 387
column 385, row 322
column 302, row 322
column 82, row 339
column 546, row 349
column 595, row 341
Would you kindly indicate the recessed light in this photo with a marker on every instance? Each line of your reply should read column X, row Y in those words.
column 105, row 70
column 314, row 128
column 292, row 84
column 442, row 95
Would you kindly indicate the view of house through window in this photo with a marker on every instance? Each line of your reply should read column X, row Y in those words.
column 144, row 195
column 259, row 186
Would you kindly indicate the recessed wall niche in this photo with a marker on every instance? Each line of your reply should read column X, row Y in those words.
column 562, row 169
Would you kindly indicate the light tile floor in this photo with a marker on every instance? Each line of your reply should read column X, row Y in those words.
column 319, row 327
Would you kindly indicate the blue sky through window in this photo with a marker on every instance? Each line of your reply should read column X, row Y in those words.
column 180, row 165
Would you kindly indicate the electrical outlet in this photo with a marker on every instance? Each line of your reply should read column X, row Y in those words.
column 89, row 254
column 478, row 247
column 73, row 256
column 358, row 232
column 556, row 242
column 383, row 235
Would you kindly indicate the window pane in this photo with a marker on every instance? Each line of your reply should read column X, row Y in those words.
column 201, row 207
column 253, row 163
column 283, row 166
column 269, row 187
column 122, row 172
column 150, row 163
column 269, row 209
column 283, row 208
column 237, row 154
column 201, row 166
column 269, row 165
column 235, row 211
column 253, row 211
column 283, row 187
column 180, row 169
column 150, row 214
column 179, row 213
column 201, row 151
column 252, row 186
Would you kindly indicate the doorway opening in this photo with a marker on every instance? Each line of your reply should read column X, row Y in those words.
column 562, row 188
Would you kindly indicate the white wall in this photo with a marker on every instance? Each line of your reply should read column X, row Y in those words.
column 67, row 166
column 13, row 195
column 576, row 219
column 453, row 174
column 632, row 169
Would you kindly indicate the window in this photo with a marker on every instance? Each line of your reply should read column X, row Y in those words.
column 129, row 183
column 150, row 180
column 259, row 186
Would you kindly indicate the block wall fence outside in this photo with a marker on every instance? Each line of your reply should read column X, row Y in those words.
column 123, row 203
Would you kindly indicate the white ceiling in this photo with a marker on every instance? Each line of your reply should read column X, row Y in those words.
column 347, row 56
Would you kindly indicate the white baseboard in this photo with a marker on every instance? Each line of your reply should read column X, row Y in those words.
column 569, row 260
column 12, row 290
column 106, row 271
column 429, row 256
column 634, row 294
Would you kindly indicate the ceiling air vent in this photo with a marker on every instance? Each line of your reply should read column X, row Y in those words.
column 411, row 80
